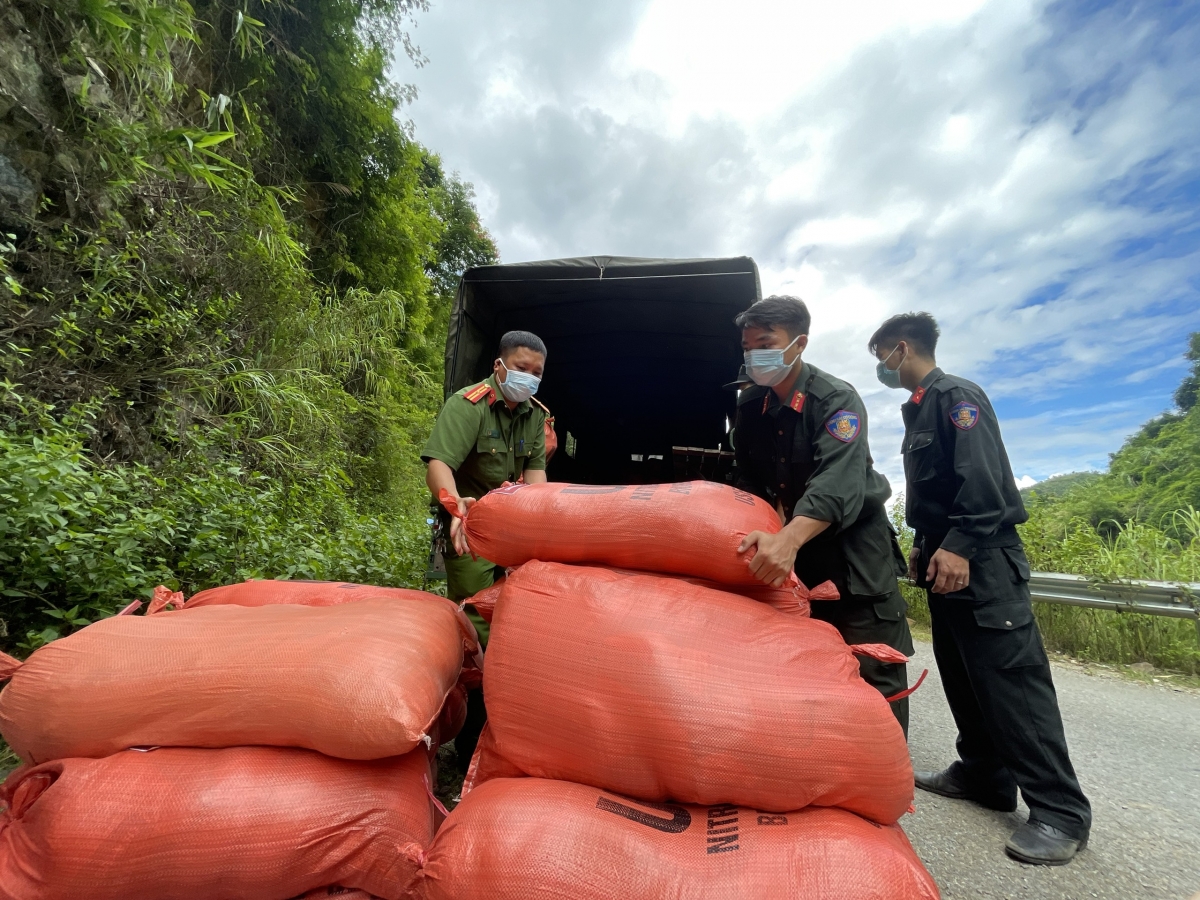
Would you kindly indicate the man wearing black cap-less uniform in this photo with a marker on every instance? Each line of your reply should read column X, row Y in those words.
column 964, row 506
column 801, row 444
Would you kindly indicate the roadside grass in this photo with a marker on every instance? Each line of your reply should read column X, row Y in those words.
column 1124, row 639
column 1109, row 553
column 1097, row 635
column 1113, row 552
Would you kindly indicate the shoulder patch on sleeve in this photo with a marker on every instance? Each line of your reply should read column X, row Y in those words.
column 477, row 393
column 964, row 416
column 843, row 425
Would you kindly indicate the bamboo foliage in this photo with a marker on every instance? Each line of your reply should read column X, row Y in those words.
column 219, row 321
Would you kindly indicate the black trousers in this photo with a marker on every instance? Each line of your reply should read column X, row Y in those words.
column 874, row 620
column 997, row 681
column 467, row 739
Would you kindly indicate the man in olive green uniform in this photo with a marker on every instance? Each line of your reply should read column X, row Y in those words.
column 485, row 435
column 801, row 444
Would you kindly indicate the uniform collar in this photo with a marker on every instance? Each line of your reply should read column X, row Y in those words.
column 795, row 400
column 926, row 383
column 498, row 397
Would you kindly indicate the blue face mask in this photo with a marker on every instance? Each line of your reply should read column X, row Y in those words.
column 518, row 386
column 766, row 367
column 890, row 377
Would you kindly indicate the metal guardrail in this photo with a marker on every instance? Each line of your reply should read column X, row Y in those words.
column 1155, row 598
column 1177, row 600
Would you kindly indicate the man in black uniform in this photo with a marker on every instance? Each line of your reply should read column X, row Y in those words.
column 964, row 506
column 801, row 444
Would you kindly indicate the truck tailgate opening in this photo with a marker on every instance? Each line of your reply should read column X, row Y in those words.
column 640, row 351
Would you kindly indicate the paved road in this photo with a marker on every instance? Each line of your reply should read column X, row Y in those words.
column 1136, row 748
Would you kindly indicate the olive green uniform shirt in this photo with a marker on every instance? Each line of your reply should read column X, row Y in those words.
column 484, row 442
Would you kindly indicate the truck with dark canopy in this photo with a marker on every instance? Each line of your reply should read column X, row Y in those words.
column 641, row 355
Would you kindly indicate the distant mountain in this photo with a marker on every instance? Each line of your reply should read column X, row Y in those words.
column 1061, row 484
column 1151, row 478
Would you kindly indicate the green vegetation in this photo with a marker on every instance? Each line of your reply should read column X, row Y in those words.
column 225, row 273
column 1059, row 542
column 1153, row 476
column 1056, row 542
column 1138, row 520
column 1136, row 550
column 1060, row 485
column 8, row 759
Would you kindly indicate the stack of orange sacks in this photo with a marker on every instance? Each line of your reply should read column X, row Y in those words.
column 686, row 734
column 262, row 741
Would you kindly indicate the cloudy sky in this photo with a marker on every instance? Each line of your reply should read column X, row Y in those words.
column 1026, row 171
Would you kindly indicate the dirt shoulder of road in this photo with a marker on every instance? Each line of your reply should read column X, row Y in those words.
column 1142, row 673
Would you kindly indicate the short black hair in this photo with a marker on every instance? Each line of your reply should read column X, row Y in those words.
column 514, row 340
column 919, row 329
column 777, row 311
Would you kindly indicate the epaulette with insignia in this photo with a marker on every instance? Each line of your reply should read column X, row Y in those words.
column 797, row 401
column 918, row 396
column 480, row 391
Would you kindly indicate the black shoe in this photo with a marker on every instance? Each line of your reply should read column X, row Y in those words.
column 943, row 783
column 1040, row 844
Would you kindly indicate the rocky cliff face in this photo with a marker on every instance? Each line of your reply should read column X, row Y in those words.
column 52, row 90
column 28, row 127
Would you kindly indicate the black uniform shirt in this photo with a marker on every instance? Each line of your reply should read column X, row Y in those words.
column 810, row 456
column 961, row 491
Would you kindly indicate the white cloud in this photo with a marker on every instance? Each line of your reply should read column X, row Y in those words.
column 958, row 134
column 745, row 60
column 993, row 161
column 1026, row 481
column 888, row 224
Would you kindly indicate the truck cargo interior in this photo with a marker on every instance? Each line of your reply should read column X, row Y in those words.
column 640, row 353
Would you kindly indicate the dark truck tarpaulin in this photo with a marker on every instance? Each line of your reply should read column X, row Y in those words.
column 639, row 353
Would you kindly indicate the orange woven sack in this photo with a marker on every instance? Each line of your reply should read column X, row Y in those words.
column 692, row 528
column 269, row 592
column 250, row 823
column 657, row 688
column 452, row 718
column 794, row 600
column 363, row 680
column 530, row 839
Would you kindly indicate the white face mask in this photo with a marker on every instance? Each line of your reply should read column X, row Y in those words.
column 890, row 377
column 766, row 367
column 518, row 386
